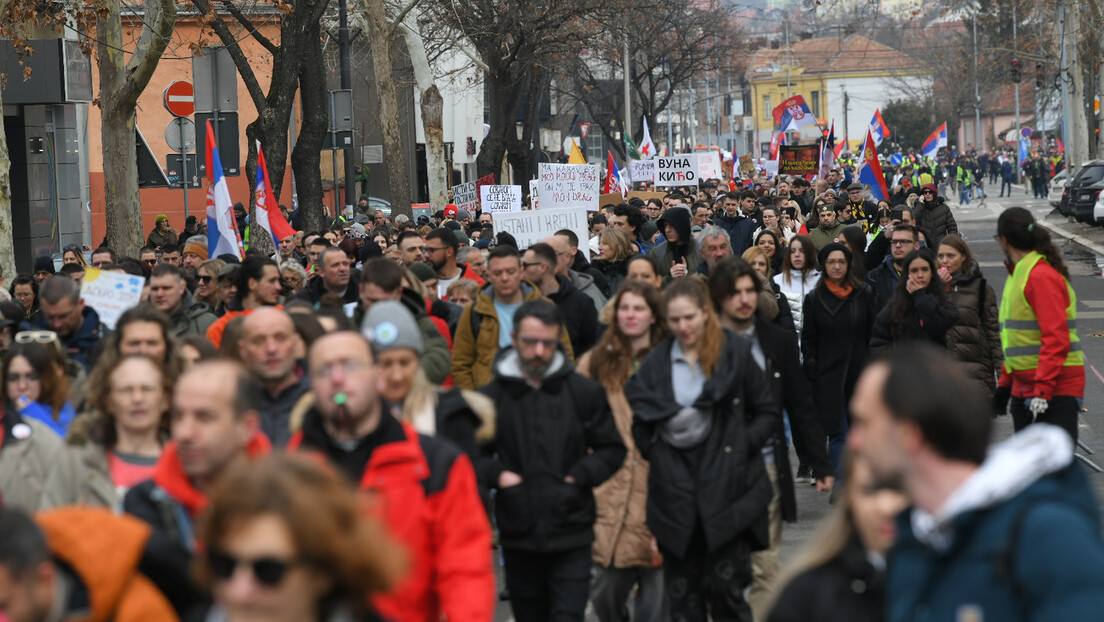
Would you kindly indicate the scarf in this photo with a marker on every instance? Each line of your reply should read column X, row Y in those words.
column 839, row 291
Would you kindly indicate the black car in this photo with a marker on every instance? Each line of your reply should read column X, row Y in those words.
column 1084, row 190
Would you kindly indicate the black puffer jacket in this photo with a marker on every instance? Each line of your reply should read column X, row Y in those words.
column 580, row 316
column 975, row 337
column 936, row 219
column 563, row 427
column 846, row 588
column 722, row 483
column 930, row 321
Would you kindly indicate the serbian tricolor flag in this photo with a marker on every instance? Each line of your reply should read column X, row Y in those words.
column 222, row 230
column 878, row 128
column 776, row 142
column 934, row 142
column 793, row 114
column 870, row 169
column 613, row 176
column 269, row 216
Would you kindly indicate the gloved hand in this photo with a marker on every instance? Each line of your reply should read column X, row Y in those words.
column 1037, row 406
column 1000, row 400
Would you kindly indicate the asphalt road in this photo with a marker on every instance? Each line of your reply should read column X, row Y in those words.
column 978, row 225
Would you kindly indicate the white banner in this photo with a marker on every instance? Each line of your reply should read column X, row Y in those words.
column 465, row 196
column 709, row 165
column 532, row 226
column 534, row 198
column 677, row 170
column 111, row 293
column 642, row 171
column 568, row 185
column 500, row 198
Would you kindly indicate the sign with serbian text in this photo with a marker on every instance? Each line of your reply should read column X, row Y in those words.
column 709, row 165
column 465, row 196
column 562, row 186
column 798, row 159
column 532, row 226
column 534, row 198
column 677, row 170
column 111, row 293
column 641, row 171
column 495, row 198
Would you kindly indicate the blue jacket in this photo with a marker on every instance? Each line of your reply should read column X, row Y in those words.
column 1036, row 555
column 79, row 345
column 740, row 229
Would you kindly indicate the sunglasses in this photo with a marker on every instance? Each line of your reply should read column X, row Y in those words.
column 269, row 571
column 203, row 278
column 36, row 336
column 71, row 247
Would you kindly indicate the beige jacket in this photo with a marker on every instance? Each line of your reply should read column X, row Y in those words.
column 27, row 463
column 82, row 477
column 621, row 535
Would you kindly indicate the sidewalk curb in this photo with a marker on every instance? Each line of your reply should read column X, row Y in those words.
column 1073, row 237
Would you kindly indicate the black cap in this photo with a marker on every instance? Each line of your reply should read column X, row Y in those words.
column 189, row 221
column 44, row 263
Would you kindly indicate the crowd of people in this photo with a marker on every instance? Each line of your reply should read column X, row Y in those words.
column 374, row 420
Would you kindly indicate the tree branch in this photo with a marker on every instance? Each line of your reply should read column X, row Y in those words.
column 245, row 70
column 249, row 27
column 400, row 17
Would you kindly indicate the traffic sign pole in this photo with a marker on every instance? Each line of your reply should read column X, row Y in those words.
column 183, row 168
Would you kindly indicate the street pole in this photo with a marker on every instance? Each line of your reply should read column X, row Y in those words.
column 183, row 164
column 350, row 171
column 670, row 105
column 1016, row 51
column 628, row 97
column 977, row 93
column 708, row 114
column 788, row 60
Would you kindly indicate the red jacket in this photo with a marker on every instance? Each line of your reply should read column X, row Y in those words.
column 1047, row 294
column 430, row 503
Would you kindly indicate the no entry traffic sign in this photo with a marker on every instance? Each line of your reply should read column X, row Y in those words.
column 180, row 98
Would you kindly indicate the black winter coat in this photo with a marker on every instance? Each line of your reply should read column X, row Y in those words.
column 883, row 282
column 580, row 316
column 931, row 319
column 835, row 335
column 846, row 588
column 937, row 220
column 975, row 337
column 167, row 558
column 614, row 273
column 722, row 483
column 564, row 427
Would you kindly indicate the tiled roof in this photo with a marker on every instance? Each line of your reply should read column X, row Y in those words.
column 827, row 55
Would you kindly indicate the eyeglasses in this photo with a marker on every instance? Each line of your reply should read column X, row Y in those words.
column 927, row 192
column 533, row 264
column 433, row 250
column 269, row 571
column 36, row 336
column 203, row 278
column 533, row 341
column 901, row 242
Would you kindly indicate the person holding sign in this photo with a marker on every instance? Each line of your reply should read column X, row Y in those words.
column 678, row 255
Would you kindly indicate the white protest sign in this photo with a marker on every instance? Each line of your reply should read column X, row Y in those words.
column 677, row 170
column 709, row 165
column 500, row 198
column 568, row 185
column 465, row 196
column 111, row 293
column 642, row 171
column 532, row 226
column 534, row 199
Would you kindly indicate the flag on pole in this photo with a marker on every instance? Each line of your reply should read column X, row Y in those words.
column 631, row 152
column 840, row 146
column 647, row 147
column 576, row 156
column 1024, row 151
column 271, row 220
column 222, row 236
column 777, row 141
column 878, row 128
column 870, row 169
column 934, row 142
column 793, row 114
column 828, row 151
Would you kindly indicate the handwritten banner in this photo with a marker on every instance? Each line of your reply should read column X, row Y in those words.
column 530, row 227
column 562, row 186
column 500, row 198
column 709, row 165
column 111, row 293
column 642, row 171
column 677, row 170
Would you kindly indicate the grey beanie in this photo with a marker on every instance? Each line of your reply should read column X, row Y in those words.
column 390, row 326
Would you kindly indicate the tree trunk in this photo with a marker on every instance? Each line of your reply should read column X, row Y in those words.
column 398, row 180
column 121, row 82
column 501, row 114
column 7, row 246
column 1078, row 151
column 432, row 105
column 306, row 157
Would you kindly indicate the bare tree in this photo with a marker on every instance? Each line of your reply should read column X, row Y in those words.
column 9, row 17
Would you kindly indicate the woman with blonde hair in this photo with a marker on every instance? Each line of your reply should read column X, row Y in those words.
column 207, row 283
column 773, row 306
column 623, row 550
column 615, row 249
column 840, row 574
column 74, row 254
column 286, row 540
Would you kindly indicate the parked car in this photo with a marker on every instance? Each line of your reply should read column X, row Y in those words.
column 380, row 205
column 1085, row 189
column 1057, row 187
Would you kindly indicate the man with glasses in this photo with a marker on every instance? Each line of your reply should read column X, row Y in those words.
column 63, row 311
column 337, row 278
column 932, row 214
column 544, row 502
column 148, row 258
column 903, row 239
column 441, row 248
column 580, row 316
column 214, row 427
column 486, row 325
column 425, row 485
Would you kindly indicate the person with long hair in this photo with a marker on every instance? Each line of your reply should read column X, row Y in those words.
column 207, row 281
column 703, row 411
column 840, row 573
column 623, row 553
column 772, row 305
column 643, row 268
column 118, row 444
column 286, row 541
column 615, row 250
column 1044, row 368
column 975, row 337
column 834, row 343
column 855, row 240
column 799, row 276
column 920, row 308
column 770, row 241
column 73, row 254
column 35, row 380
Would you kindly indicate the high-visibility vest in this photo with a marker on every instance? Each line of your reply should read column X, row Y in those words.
column 1021, row 338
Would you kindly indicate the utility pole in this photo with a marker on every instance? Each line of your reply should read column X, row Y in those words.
column 1016, row 52
column 346, row 83
column 628, row 97
column 708, row 114
column 846, row 106
column 670, row 105
column 977, row 93
column 789, row 61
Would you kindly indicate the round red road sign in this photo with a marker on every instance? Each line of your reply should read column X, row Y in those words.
column 180, row 98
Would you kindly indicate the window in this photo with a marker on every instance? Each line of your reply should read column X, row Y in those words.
column 816, row 104
column 767, row 111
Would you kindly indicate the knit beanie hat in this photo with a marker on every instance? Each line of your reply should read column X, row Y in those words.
column 160, row 217
column 423, row 271
column 44, row 263
column 390, row 326
column 193, row 245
